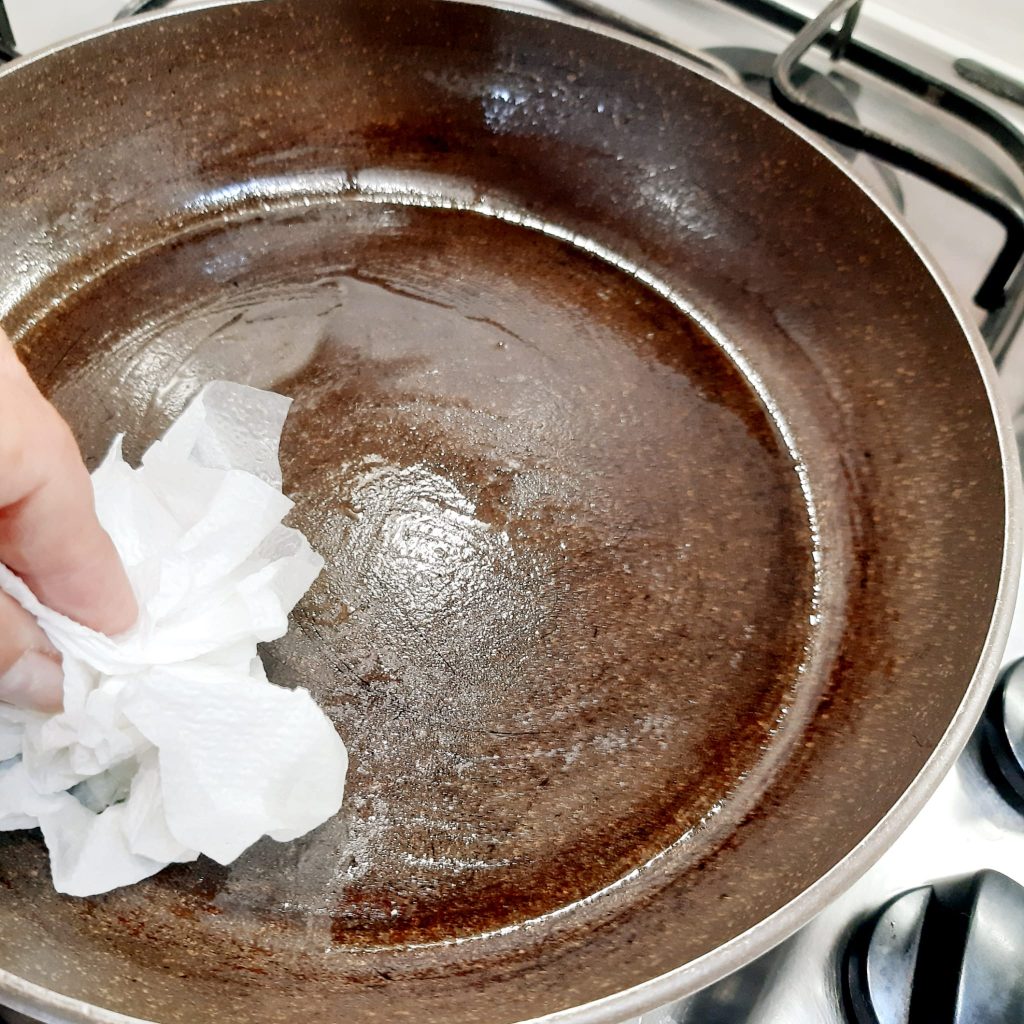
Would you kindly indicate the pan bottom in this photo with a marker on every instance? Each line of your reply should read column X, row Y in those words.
column 569, row 575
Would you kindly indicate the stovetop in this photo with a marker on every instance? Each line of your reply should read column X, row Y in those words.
column 934, row 932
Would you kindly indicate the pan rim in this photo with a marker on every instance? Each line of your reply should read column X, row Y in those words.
column 55, row 1008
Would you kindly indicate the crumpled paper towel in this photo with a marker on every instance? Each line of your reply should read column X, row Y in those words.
column 172, row 742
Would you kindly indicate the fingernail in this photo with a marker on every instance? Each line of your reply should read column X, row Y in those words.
column 36, row 681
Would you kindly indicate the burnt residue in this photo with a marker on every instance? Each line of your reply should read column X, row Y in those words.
column 493, row 485
column 564, row 543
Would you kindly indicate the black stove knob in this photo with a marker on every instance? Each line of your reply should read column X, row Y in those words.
column 949, row 953
column 1001, row 735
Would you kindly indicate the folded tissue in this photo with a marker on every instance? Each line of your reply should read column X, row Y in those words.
column 172, row 742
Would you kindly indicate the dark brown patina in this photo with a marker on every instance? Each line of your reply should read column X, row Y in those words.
column 626, row 620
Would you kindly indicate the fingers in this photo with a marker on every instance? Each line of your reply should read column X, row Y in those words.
column 30, row 670
column 49, row 533
column 50, row 536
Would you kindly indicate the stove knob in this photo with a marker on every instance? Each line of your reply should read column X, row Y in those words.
column 949, row 953
column 1001, row 735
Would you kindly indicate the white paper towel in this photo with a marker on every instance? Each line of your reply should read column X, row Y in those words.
column 172, row 742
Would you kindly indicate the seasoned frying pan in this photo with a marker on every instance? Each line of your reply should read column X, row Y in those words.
column 667, row 519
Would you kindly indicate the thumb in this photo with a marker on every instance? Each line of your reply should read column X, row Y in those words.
column 30, row 668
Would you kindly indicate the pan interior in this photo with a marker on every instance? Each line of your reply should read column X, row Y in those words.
column 569, row 583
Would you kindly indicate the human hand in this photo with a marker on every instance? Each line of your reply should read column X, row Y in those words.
column 50, row 536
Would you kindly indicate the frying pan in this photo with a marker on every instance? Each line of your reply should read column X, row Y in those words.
column 667, row 517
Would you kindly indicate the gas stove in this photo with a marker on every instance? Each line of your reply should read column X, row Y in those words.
column 933, row 123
